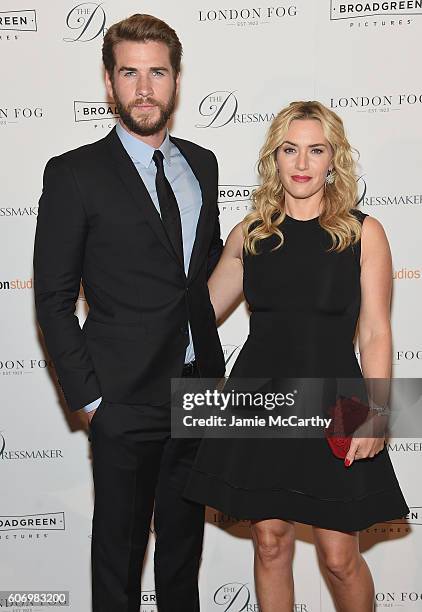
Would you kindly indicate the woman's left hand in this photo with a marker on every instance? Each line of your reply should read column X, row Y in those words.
column 368, row 439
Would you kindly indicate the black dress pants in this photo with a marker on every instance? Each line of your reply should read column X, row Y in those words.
column 137, row 464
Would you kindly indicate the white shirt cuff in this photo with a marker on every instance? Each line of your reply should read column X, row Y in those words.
column 93, row 405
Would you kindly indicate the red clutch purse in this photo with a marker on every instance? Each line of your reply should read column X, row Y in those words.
column 346, row 416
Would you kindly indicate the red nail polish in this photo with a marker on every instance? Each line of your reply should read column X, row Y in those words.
column 347, row 462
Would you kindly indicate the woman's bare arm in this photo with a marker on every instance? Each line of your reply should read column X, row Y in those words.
column 374, row 320
column 226, row 282
column 374, row 337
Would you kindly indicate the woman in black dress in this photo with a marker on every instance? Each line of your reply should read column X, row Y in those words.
column 310, row 267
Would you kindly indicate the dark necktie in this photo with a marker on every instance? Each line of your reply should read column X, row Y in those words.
column 170, row 214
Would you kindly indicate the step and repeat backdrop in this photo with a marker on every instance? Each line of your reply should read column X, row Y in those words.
column 243, row 61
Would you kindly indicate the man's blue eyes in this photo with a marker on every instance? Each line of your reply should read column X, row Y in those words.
column 155, row 72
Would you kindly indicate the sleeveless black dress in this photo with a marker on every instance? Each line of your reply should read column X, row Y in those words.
column 304, row 306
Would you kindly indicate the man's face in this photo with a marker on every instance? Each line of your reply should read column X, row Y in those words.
column 143, row 86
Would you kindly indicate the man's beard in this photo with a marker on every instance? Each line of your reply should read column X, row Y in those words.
column 144, row 126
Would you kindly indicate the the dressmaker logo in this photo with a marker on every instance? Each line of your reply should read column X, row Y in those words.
column 366, row 198
column 219, row 108
column 85, row 22
column 18, row 367
column 234, row 597
column 13, row 115
column 237, row 597
column 247, row 16
column 405, row 447
column 18, row 21
column 19, row 211
column 33, row 454
column 230, row 352
column 377, row 103
column 148, row 601
column 234, row 198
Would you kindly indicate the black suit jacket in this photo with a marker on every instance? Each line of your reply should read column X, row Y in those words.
column 97, row 222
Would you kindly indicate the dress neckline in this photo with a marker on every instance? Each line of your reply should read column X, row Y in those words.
column 302, row 220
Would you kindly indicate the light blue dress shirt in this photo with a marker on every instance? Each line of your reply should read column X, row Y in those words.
column 186, row 189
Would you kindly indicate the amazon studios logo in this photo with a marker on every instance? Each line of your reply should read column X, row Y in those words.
column 242, row 17
column 384, row 12
column 86, row 21
column 220, row 108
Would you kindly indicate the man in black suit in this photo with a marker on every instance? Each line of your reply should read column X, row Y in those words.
column 135, row 217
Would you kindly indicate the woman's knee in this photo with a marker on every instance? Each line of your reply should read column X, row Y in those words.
column 273, row 542
column 341, row 563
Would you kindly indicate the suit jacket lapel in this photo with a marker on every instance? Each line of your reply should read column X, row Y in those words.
column 135, row 185
column 200, row 171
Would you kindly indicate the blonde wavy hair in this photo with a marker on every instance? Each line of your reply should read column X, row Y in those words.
column 339, row 199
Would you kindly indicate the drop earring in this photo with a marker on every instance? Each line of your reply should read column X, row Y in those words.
column 330, row 178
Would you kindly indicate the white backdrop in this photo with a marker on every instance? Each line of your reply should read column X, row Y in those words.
column 242, row 63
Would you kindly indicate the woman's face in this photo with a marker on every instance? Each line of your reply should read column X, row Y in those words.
column 304, row 159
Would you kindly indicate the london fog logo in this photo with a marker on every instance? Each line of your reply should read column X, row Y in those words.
column 391, row 599
column 86, row 21
column 18, row 367
column 94, row 111
column 395, row 199
column 38, row 454
column 16, row 114
column 219, row 108
column 247, row 16
column 377, row 103
column 18, row 21
column 225, row 521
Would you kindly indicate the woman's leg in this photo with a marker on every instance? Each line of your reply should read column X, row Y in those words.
column 274, row 546
column 347, row 573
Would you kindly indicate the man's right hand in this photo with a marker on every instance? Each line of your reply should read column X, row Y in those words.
column 91, row 414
